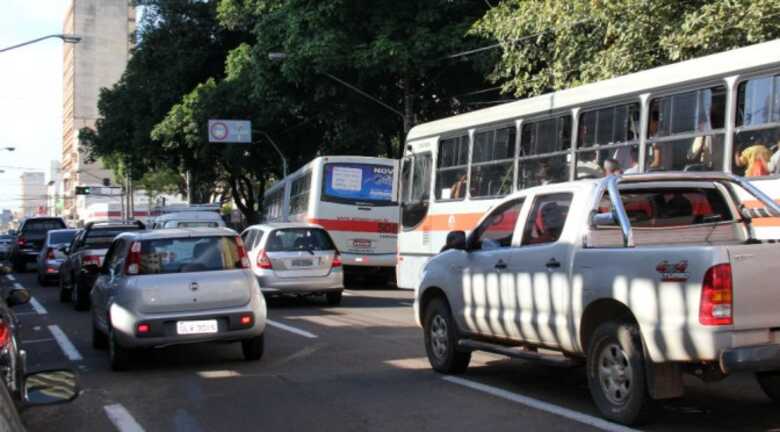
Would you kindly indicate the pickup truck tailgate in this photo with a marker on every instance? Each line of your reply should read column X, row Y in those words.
column 756, row 276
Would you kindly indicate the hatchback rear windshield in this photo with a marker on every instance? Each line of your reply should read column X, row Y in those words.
column 61, row 237
column 183, row 255
column 43, row 225
column 299, row 239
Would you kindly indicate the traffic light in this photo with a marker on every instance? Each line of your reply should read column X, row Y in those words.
column 83, row 190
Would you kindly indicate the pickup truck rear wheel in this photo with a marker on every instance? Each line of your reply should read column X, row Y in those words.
column 64, row 292
column 770, row 383
column 616, row 373
column 441, row 340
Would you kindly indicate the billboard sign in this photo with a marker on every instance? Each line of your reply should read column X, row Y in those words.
column 230, row 131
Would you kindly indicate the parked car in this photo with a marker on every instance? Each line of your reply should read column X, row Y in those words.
column 29, row 240
column 644, row 278
column 177, row 286
column 51, row 256
column 84, row 256
column 295, row 258
column 5, row 245
column 188, row 219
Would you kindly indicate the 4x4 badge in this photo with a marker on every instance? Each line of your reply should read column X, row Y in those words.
column 677, row 272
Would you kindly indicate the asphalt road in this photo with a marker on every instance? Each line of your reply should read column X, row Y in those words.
column 356, row 367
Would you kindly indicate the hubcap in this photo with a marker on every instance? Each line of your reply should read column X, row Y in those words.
column 439, row 339
column 615, row 374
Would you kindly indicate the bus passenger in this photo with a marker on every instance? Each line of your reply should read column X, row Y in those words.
column 612, row 167
column 458, row 189
column 633, row 166
column 754, row 158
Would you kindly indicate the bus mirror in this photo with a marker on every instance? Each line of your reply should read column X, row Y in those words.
column 455, row 240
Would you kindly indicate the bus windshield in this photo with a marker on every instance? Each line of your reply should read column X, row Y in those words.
column 358, row 184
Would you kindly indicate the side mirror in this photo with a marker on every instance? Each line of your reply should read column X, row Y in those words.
column 65, row 249
column 17, row 296
column 50, row 387
column 455, row 240
column 603, row 219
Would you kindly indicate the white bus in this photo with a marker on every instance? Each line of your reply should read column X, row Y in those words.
column 354, row 198
column 720, row 112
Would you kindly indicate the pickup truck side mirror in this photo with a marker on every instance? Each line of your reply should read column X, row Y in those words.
column 50, row 387
column 604, row 219
column 17, row 296
column 455, row 240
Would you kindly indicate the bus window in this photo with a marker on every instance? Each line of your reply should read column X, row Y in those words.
column 273, row 204
column 414, row 207
column 544, row 152
column 452, row 168
column 608, row 133
column 299, row 194
column 758, row 135
column 685, row 131
column 361, row 184
column 492, row 163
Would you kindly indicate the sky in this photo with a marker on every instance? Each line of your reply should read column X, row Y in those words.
column 30, row 91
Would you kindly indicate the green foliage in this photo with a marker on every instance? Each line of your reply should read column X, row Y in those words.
column 550, row 45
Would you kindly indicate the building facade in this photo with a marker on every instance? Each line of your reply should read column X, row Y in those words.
column 34, row 199
column 107, row 29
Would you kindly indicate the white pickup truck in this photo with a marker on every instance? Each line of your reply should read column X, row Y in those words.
column 643, row 278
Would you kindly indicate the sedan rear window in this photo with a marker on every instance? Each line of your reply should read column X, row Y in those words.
column 299, row 239
column 184, row 255
column 103, row 237
column 61, row 237
column 42, row 225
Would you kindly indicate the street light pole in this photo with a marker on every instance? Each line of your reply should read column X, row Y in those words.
column 67, row 38
column 284, row 171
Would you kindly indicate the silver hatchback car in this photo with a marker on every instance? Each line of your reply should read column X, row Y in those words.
column 178, row 286
column 295, row 258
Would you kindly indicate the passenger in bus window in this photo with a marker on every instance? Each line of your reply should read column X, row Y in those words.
column 612, row 167
column 588, row 165
column 774, row 161
column 458, row 189
column 661, row 152
column 633, row 166
column 754, row 158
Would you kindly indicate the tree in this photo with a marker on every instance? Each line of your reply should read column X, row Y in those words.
column 181, row 44
column 553, row 45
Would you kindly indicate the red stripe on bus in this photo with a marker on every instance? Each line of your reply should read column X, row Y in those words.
column 357, row 225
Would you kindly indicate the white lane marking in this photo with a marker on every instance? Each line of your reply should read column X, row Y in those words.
column 219, row 374
column 347, row 293
column 67, row 347
column 37, row 340
column 122, row 419
column 540, row 405
column 291, row 329
column 10, row 277
column 37, row 306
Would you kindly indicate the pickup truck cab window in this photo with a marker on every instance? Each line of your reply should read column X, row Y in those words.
column 497, row 229
column 546, row 220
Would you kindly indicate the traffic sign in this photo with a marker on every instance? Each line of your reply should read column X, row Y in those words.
column 230, row 131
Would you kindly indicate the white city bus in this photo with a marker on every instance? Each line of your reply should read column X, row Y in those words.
column 717, row 113
column 354, row 198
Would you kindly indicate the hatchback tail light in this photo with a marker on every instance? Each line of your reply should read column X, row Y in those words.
column 263, row 261
column 22, row 241
column 50, row 253
column 717, row 294
column 336, row 261
column 133, row 260
column 90, row 260
column 242, row 256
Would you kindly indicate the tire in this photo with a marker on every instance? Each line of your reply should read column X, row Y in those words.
column 80, row 299
column 616, row 373
column 118, row 356
column 253, row 348
column 41, row 280
column 19, row 266
column 333, row 298
column 441, row 339
column 99, row 339
column 64, row 293
column 770, row 384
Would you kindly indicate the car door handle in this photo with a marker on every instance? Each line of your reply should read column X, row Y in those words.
column 500, row 265
column 553, row 263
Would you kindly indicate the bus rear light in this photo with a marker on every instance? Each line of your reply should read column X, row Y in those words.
column 263, row 261
column 717, row 295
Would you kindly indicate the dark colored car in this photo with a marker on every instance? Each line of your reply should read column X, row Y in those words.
column 5, row 245
column 30, row 238
column 85, row 256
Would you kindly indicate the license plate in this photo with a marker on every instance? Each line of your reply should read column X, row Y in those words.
column 196, row 327
column 301, row 263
